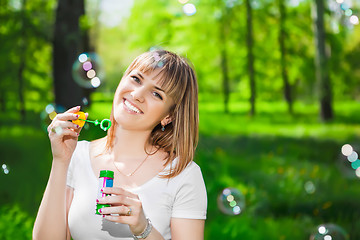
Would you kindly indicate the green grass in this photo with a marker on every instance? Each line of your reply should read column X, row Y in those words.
column 270, row 158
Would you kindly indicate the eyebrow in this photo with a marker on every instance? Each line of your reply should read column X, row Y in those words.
column 141, row 76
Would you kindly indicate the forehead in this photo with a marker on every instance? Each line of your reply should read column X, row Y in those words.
column 149, row 75
column 152, row 71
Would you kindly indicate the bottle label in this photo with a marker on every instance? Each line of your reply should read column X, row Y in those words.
column 104, row 182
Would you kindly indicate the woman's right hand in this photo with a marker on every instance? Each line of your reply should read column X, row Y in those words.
column 64, row 134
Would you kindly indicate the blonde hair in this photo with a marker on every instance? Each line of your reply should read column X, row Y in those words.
column 178, row 79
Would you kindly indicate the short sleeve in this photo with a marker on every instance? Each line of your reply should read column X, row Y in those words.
column 80, row 147
column 191, row 198
column 70, row 173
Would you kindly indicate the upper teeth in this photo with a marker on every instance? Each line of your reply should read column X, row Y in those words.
column 131, row 107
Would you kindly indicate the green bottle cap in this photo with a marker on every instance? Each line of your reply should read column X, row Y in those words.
column 106, row 173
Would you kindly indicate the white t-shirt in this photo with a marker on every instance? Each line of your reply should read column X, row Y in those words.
column 183, row 196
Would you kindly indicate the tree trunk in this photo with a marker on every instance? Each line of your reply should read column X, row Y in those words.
column 284, row 74
column 67, row 46
column 250, row 55
column 22, row 59
column 321, row 63
column 224, row 63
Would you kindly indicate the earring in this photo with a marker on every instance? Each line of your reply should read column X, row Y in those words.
column 163, row 128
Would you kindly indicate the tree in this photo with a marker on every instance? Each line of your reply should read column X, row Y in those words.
column 250, row 56
column 321, row 63
column 67, row 45
column 283, row 53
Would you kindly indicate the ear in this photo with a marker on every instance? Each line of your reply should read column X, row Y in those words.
column 166, row 120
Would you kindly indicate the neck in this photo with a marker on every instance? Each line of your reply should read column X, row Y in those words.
column 130, row 144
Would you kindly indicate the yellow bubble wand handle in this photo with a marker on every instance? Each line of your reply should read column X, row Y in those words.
column 105, row 124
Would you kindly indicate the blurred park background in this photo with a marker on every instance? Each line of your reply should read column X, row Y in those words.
column 279, row 84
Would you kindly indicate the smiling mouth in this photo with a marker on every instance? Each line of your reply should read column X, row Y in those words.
column 131, row 107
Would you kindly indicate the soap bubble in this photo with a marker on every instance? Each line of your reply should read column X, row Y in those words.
column 310, row 187
column 189, row 9
column 347, row 160
column 5, row 169
column 231, row 201
column 49, row 113
column 352, row 157
column 85, row 101
column 346, row 150
column 87, row 70
column 329, row 231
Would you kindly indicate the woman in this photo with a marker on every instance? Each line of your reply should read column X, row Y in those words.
column 158, row 192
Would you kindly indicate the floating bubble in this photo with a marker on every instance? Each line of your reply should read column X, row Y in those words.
column 352, row 157
column 354, row 20
column 310, row 187
column 339, row 1
column 329, row 231
column 49, row 113
column 5, row 169
column 58, row 130
column 189, row 9
column 357, row 172
column 231, row 201
column 85, row 101
column 348, row 12
column 183, row 1
column 356, row 164
column 344, row 6
column 346, row 149
column 83, row 57
column 91, row 73
column 95, row 82
column 346, row 160
column 88, row 66
column 49, row 108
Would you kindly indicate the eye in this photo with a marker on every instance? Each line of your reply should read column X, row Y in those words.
column 157, row 95
column 136, row 79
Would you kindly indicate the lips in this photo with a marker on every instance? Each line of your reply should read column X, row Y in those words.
column 131, row 107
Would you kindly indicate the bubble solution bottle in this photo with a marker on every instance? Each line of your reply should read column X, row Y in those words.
column 106, row 179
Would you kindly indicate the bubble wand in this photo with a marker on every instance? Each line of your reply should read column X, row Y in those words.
column 105, row 124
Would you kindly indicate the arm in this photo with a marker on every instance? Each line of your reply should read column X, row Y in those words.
column 187, row 229
column 51, row 220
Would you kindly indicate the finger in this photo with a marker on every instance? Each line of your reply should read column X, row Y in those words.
column 120, row 191
column 120, row 219
column 119, row 200
column 61, row 132
column 73, row 110
column 121, row 210
column 66, row 117
column 67, row 124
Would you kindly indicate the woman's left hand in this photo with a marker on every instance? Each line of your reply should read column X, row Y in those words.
column 127, row 205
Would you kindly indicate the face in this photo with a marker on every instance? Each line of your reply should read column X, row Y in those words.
column 140, row 103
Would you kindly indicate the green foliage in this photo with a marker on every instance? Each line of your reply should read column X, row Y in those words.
column 25, row 37
column 270, row 158
column 15, row 223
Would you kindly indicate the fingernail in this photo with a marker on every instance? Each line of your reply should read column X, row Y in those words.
column 77, row 134
column 103, row 216
column 77, row 126
column 102, row 189
column 97, row 200
column 100, row 210
column 77, row 116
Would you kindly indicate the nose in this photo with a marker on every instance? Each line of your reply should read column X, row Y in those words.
column 138, row 94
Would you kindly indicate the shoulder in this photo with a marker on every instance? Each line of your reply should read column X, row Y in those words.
column 81, row 151
column 192, row 170
column 191, row 178
column 81, row 147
